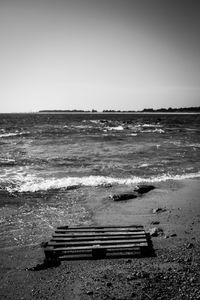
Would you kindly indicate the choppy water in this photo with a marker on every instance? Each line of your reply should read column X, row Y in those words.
column 41, row 154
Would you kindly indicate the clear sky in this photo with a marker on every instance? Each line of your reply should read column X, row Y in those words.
column 99, row 54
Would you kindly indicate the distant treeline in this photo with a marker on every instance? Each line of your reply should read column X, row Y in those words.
column 181, row 109
column 145, row 110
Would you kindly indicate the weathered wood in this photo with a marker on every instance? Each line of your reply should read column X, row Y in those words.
column 97, row 229
column 144, row 244
column 110, row 253
column 100, row 227
column 94, row 234
column 93, row 238
column 95, row 242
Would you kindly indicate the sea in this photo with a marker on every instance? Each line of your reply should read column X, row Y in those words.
column 51, row 164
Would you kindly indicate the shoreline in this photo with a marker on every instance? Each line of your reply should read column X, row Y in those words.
column 173, row 273
column 102, row 113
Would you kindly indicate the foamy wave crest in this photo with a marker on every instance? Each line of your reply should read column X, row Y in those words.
column 32, row 183
column 5, row 135
column 115, row 128
column 154, row 130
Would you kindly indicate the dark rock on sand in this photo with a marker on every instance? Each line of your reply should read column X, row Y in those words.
column 155, row 222
column 173, row 235
column 158, row 210
column 139, row 190
column 190, row 245
column 120, row 197
column 73, row 187
column 144, row 188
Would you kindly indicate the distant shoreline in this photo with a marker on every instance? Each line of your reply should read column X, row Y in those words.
column 120, row 113
column 170, row 110
column 100, row 113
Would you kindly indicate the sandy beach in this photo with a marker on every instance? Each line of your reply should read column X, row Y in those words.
column 174, row 272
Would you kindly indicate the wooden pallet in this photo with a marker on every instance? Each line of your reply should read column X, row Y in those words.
column 96, row 242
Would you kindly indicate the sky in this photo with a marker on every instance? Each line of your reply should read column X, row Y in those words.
column 99, row 54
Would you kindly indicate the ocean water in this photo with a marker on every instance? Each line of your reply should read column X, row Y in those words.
column 50, row 164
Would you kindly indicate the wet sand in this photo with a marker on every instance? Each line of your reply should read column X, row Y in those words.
column 174, row 273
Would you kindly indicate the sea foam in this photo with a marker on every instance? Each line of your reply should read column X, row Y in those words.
column 31, row 183
column 5, row 135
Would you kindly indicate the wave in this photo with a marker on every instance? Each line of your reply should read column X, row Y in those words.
column 30, row 183
column 7, row 161
column 133, row 134
column 153, row 130
column 195, row 145
column 151, row 125
column 5, row 135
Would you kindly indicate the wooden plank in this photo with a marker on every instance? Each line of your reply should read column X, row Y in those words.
column 100, row 227
column 98, row 234
column 108, row 251
column 91, row 238
column 144, row 244
column 97, row 230
column 96, row 242
column 117, row 253
column 76, row 234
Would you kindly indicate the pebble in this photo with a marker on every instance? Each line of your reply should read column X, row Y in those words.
column 158, row 210
column 173, row 235
column 190, row 245
column 109, row 284
column 155, row 222
column 89, row 292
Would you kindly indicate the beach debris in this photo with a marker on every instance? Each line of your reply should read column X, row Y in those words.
column 155, row 222
column 190, row 245
column 97, row 242
column 144, row 188
column 158, row 210
column 173, row 235
column 89, row 292
column 106, row 185
column 155, row 231
column 109, row 284
column 124, row 196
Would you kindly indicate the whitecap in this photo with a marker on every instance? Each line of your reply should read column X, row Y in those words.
column 151, row 125
column 116, row 128
column 31, row 183
column 133, row 134
column 153, row 131
column 144, row 165
column 4, row 135
column 196, row 145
